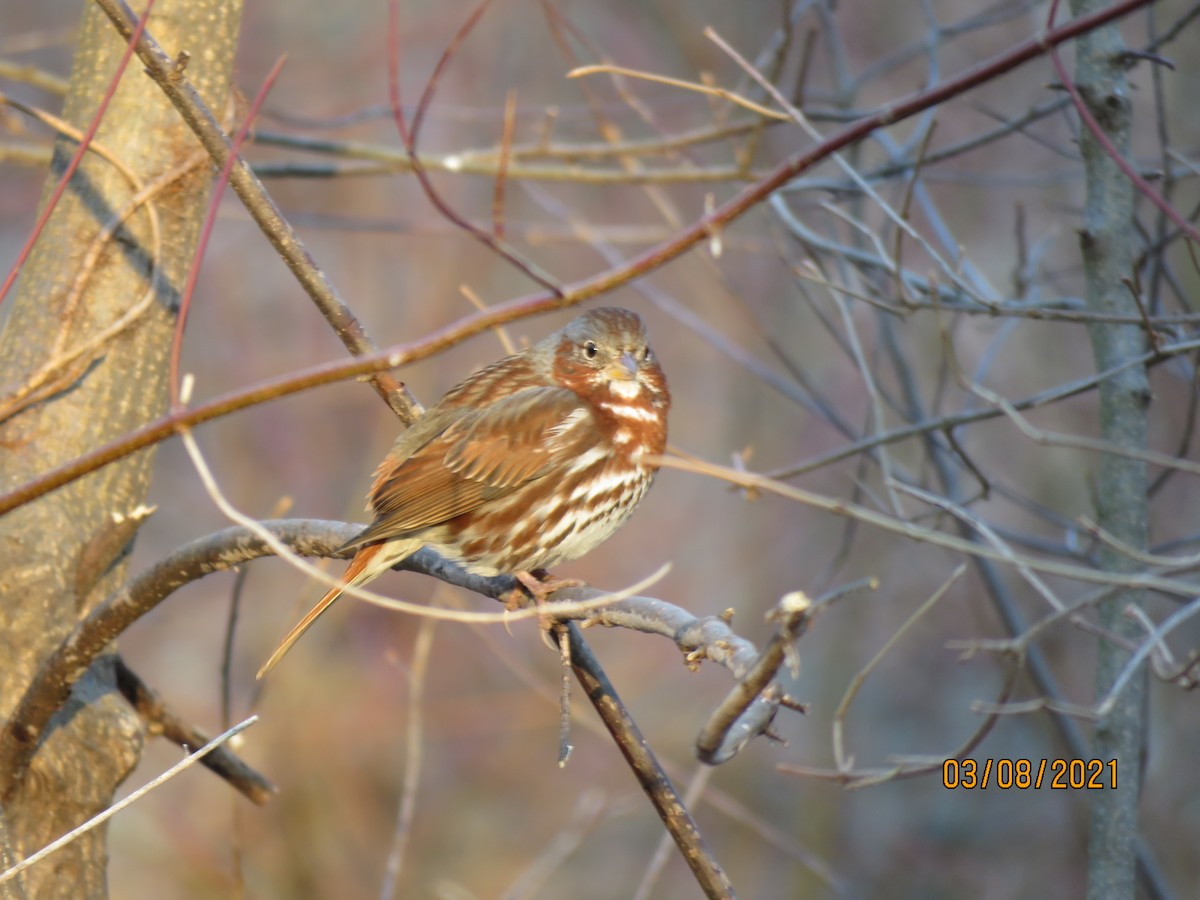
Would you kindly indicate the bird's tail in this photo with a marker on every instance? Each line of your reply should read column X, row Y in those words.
column 367, row 564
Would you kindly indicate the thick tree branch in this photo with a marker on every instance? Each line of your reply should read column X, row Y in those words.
column 708, row 637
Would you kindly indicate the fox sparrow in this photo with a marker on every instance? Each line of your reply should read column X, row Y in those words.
column 532, row 461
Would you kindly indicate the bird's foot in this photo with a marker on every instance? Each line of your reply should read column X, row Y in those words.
column 541, row 584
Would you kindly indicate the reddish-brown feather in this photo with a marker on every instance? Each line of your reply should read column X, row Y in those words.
column 531, row 461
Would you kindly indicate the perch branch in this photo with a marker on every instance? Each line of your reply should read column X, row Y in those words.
column 227, row 549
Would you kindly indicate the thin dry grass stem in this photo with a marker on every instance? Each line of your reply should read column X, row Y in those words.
column 298, row 562
column 410, row 780
column 162, row 720
column 66, row 129
column 843, row 762
column 590, row 809
column 502, row 335
column 718, row 92
column 33, row 76
column 838, row 507
column 185, row 763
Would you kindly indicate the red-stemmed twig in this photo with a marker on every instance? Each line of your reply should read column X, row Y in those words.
column 572, row 294
column 409, row 138
column 196, row 114
column 1085, row 115
column 189, row 289
column 77, row 158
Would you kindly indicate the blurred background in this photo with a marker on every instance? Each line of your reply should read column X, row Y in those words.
column 761, row 357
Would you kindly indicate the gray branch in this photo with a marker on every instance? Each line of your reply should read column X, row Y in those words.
column 700, row 638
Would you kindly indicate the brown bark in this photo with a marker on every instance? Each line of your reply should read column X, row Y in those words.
column 58, row 555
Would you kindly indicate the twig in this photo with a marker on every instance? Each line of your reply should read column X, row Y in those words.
column 506, row 138
column 845, row 763
column 736, row 720
column 227, row 549
column 937, row 538
column 701, row 776
column 667, row 802
column 210, row 218
column 103, row 817
column 414, row 734
column 571, row 294
column 720, row 93
column 259, row 204
column 409, row 138
column 1085, row 114
column 222, row 761
column 134, row 34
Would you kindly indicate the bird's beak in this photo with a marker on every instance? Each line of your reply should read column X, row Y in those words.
column 624, row 369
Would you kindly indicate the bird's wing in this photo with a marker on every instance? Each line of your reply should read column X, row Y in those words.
column 481, row 454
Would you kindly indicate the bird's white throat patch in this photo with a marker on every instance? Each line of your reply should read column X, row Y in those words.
column 626, row 390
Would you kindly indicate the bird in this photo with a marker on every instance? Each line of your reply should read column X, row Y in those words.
column 531, row 461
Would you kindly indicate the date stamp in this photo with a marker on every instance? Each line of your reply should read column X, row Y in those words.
column 1026, row 774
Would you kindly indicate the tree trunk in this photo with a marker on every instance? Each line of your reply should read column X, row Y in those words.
column 62, row 553
column 1121, row 482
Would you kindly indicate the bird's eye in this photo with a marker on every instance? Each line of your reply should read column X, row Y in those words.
column 590, row 349
column 646, row 354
